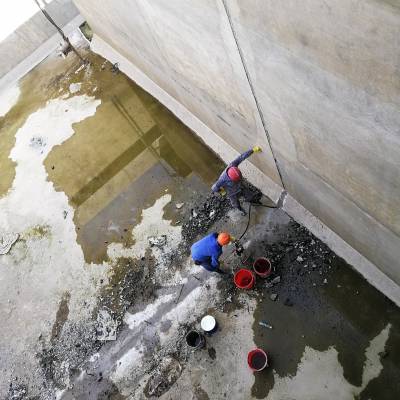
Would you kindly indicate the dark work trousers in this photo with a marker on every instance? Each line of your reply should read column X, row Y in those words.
column 245, row 192
column 207, row 265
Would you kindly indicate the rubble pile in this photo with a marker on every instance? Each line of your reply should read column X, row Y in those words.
column 68, row 352
column 201, row 218
column 298, row 258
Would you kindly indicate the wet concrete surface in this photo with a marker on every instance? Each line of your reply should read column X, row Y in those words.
column 326, row 304
column 126, row 171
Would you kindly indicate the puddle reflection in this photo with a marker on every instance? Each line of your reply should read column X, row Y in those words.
column 122, row 159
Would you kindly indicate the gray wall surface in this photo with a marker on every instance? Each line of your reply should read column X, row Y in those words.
column 33, row 33
column 325, row 77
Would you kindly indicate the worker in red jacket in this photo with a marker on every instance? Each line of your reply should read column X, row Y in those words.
column 206, row 251
column 230, row 181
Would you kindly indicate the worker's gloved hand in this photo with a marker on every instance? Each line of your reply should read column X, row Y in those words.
column 257, row 149
column 222, row 191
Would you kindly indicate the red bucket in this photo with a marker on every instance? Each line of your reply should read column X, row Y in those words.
column 257, row 359
column 244, row 279
column 262, row 267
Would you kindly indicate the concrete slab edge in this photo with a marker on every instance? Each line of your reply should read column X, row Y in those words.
column 39, row 54
column 276, row 193
column 361, row 264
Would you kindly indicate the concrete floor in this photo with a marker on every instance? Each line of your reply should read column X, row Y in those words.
column 92, row 167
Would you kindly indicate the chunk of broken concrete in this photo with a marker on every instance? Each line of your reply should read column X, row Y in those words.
column 179, row 205
column 158, row 241
column 273, row 296
column 6, row 242
column 75, row 87
column 106, row 328
column 163, row 377
column 273, row 282
column 276, row 280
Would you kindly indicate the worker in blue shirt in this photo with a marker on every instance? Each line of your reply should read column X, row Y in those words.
column 230, row 181
column 207, row 251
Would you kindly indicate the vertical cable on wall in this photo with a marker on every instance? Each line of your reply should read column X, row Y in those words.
column 252, row 88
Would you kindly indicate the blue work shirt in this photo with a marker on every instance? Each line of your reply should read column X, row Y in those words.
column 232, row 188
column 207, row 248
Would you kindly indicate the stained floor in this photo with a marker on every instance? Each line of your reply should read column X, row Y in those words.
column 92, row 167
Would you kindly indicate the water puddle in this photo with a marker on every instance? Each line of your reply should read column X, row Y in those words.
column 320, row 374
column 118, row 161
column 91, row 165
column 333, row 336
column 49, row 80
column 123, row 159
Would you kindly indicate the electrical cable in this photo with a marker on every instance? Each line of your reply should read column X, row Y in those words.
column 249, row 215
column 244, row 232
column 248, row 223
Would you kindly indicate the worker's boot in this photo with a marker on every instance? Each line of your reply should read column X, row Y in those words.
column 256, row 202
column 242, row 211
column 219, row 271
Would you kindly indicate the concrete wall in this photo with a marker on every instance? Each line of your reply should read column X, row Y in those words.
column 324, row 78
column 35, row 39
column 327, row 79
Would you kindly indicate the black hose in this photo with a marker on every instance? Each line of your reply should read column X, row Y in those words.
column 248, row 222
column 249, row 212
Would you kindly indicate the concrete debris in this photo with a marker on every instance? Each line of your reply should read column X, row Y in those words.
column 325, row 281
column 115, row 68
column 200, row 220
column 265, row 325
column 7, row 241
column 179, row 205
column 273, row 296
column 158, row 241
column 75, row 87
column 299, row 259
column 37, row 142
column 276, row 280
column 63, row 49
column 273, row 282
column 80, row 69
column 16, row 392
column 164, row 376
column 106, row 328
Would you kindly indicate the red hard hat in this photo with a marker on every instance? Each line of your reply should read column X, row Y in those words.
column 234, row 174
